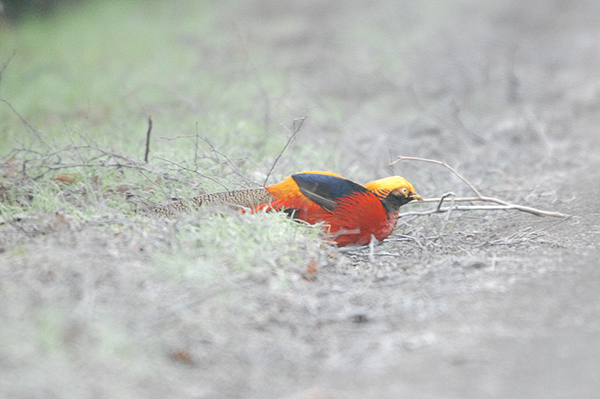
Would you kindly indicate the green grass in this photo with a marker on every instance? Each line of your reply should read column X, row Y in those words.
column 95, row 73
column 206, row 246
column 87, row 80
column 75, row 180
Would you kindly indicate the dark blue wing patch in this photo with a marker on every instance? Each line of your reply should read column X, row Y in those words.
column 326, row 190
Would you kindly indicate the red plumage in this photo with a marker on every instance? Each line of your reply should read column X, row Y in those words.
column 353, row 213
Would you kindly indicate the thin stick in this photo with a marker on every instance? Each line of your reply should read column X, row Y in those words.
column 193, row 171
column 33, row 129
column 148, row 138
column 533, row 211
column 441, row 200
column 229, row 161
column 128, row 162
column 502, row 205
column 213, row 150
column 88, row 165
column 296, row 128
column 196, row 149
column 6, row 63
column 153, row 183
column 472, row 187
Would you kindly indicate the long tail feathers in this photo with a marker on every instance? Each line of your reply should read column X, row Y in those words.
column 236, row 199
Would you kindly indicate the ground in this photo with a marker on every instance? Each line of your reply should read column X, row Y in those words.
column 496, row 304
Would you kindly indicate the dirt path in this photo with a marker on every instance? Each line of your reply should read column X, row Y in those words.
column 511, row 88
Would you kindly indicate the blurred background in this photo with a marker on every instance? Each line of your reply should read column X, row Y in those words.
column 16, row 10
column 467, row 82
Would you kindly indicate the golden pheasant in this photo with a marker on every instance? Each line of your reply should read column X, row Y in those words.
column 353, row 213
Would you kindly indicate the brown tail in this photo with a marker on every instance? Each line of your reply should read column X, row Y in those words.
column 236, row 199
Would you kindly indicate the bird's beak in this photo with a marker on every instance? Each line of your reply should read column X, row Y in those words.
column 414, row 196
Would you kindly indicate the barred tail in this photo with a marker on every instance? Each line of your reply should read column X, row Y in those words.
column 236, row 199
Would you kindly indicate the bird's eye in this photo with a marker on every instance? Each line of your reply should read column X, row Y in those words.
column 405, row 191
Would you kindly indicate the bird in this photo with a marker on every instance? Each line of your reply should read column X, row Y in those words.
column 351, row 213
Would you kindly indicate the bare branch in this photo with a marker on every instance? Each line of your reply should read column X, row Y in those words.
column 148, row 138
column 191, row 170
column 89, row 165
column 213, row 150
column 472, row 187
column 533, row 211
column 196, row 149
column 33, row 129
column 502, row 205
column 229, row 161
column 6, row 63
column 296, row 125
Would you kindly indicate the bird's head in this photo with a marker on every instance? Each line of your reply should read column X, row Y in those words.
column 394, row 191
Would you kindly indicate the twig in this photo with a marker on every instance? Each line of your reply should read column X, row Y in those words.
column 526, row 209
column 450, row 194
column 196, row 149
column 6, row 64
column 439, row 163
column 148, row 138
column 216, row 159
column 191, row 170
column 33, row 129
column 296, row 125
column 441, row 200
column 229, row 161
column 502, row 205
column 129, row 162
column 153, row 183
column 89, row 165
column 101, row 160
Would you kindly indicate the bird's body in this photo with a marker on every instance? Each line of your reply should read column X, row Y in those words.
column 353, row 213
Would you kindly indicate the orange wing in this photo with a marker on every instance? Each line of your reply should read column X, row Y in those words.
column 287, row 195
column 353, row 213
